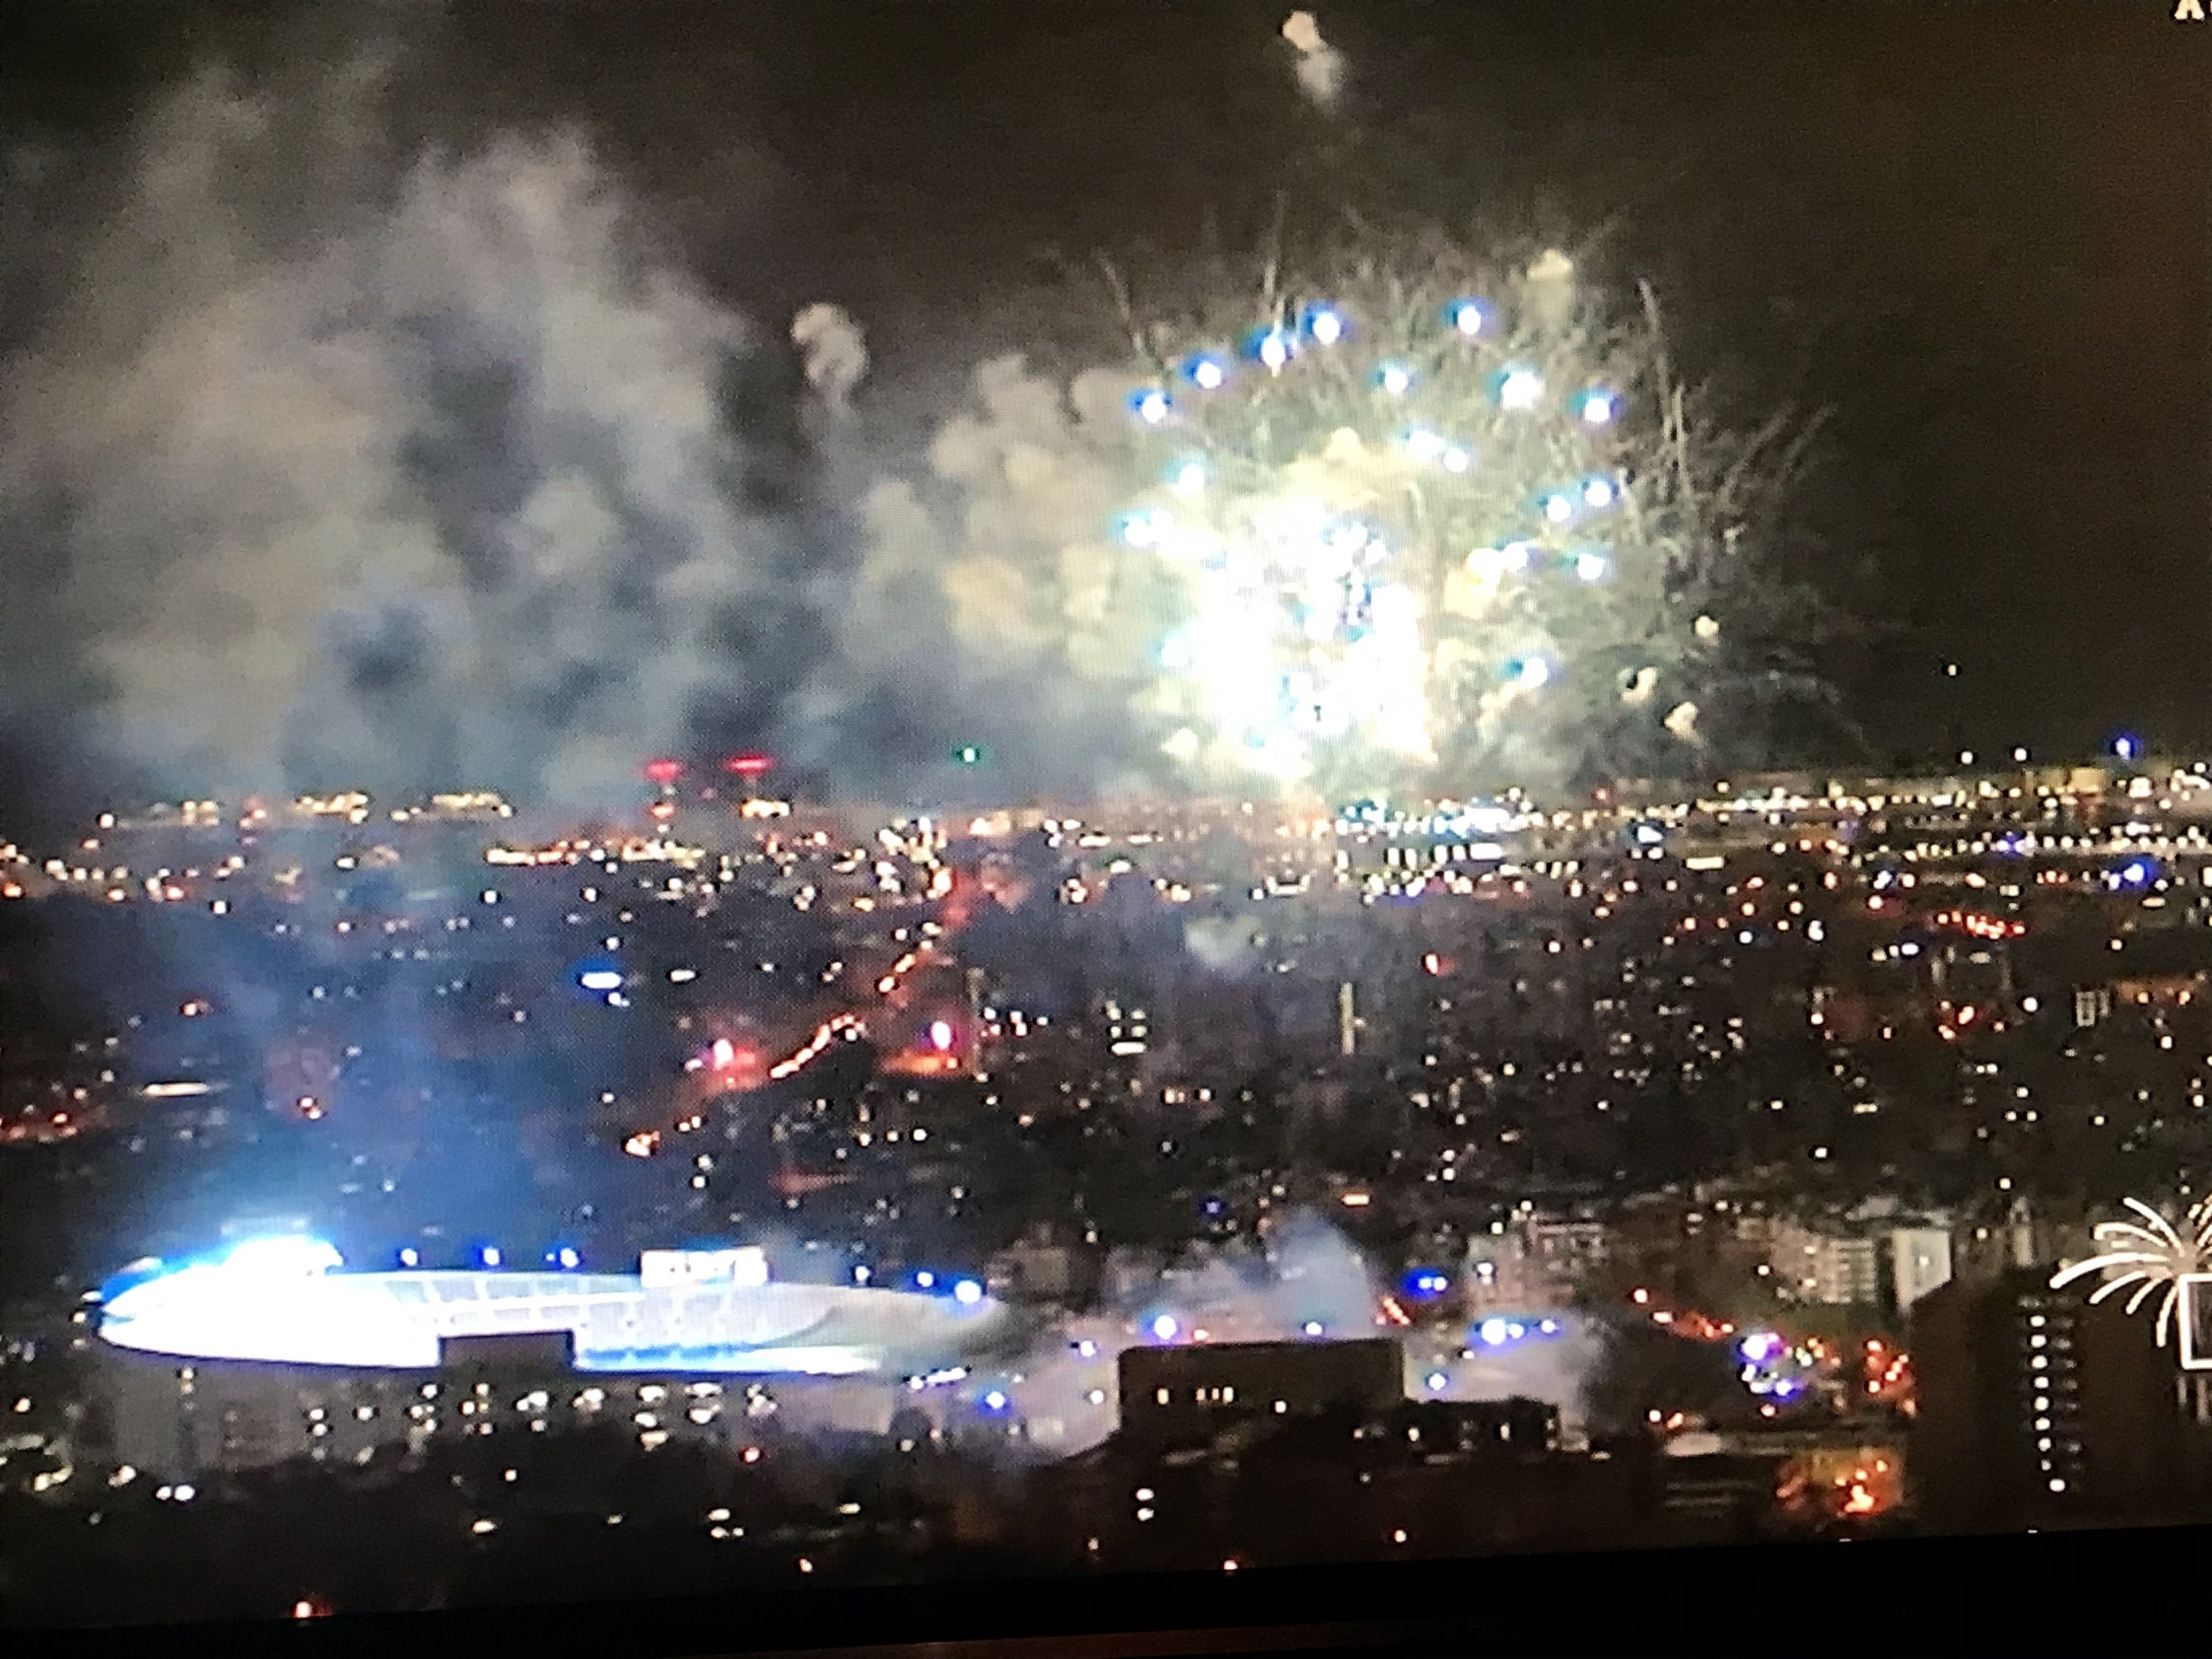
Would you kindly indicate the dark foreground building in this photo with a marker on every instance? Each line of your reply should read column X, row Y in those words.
column 1172, row 1395
column 1265, row 1454
column 2037, row 1409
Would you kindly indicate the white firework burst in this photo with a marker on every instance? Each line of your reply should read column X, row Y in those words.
column 2147, row 1254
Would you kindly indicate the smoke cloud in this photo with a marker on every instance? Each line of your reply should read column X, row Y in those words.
column 1320, row 66
column 836, row 354
column 1307, row 1279
column 430, row 484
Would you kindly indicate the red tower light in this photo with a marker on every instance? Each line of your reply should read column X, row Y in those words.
column 748, row 766
column 664, row 771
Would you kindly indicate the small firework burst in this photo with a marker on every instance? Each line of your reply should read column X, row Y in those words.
column 2147, row 1254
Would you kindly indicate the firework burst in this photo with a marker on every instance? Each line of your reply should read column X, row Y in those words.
column 2147, row 1254
column 1434, row 524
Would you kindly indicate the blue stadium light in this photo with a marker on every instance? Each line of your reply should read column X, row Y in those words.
column 1437, row 1382
column 1323, row 325
column 1396, row 379
column 1144, row 527
column 1270, row 347
column 145, row 1269
column 1206, row 371
column 1150, row 405
column 568, row 1257
column 927, row 1280
column 489, row 1255
column 1468, row 317
column 1424, row 445
column 995, row 1401
column 2127, row 746
column 1164, row 1327
column 1596, row 407
column 967, row 1292
column 1493, row 1333
column 410, row 1257
column 1519, row 388
column 1313, row 1327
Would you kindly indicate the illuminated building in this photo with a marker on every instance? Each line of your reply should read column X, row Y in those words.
column 1126, row 1029
column 1920, row 1261
column 1830, row 1269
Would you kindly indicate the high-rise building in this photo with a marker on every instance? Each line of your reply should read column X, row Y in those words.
column 2038, row 1410
column 1919, row 1261
column 1837, row 1269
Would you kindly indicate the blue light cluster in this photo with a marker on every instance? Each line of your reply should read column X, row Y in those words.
column 1499, row 1332
column 2136, row 874
column 1322, row 323
column 1771, row 1366
column 968, row 1293
column 1425, row 1282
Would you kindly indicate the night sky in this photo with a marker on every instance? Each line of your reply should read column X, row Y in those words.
column 1976, row 232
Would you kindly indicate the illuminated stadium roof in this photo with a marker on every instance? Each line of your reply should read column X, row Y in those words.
column 283, row 1301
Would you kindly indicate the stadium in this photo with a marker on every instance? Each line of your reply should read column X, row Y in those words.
column 284, row 1302
column 273, row 1351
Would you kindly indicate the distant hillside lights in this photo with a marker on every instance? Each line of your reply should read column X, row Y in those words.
column 352, row 807
column 636, row 849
